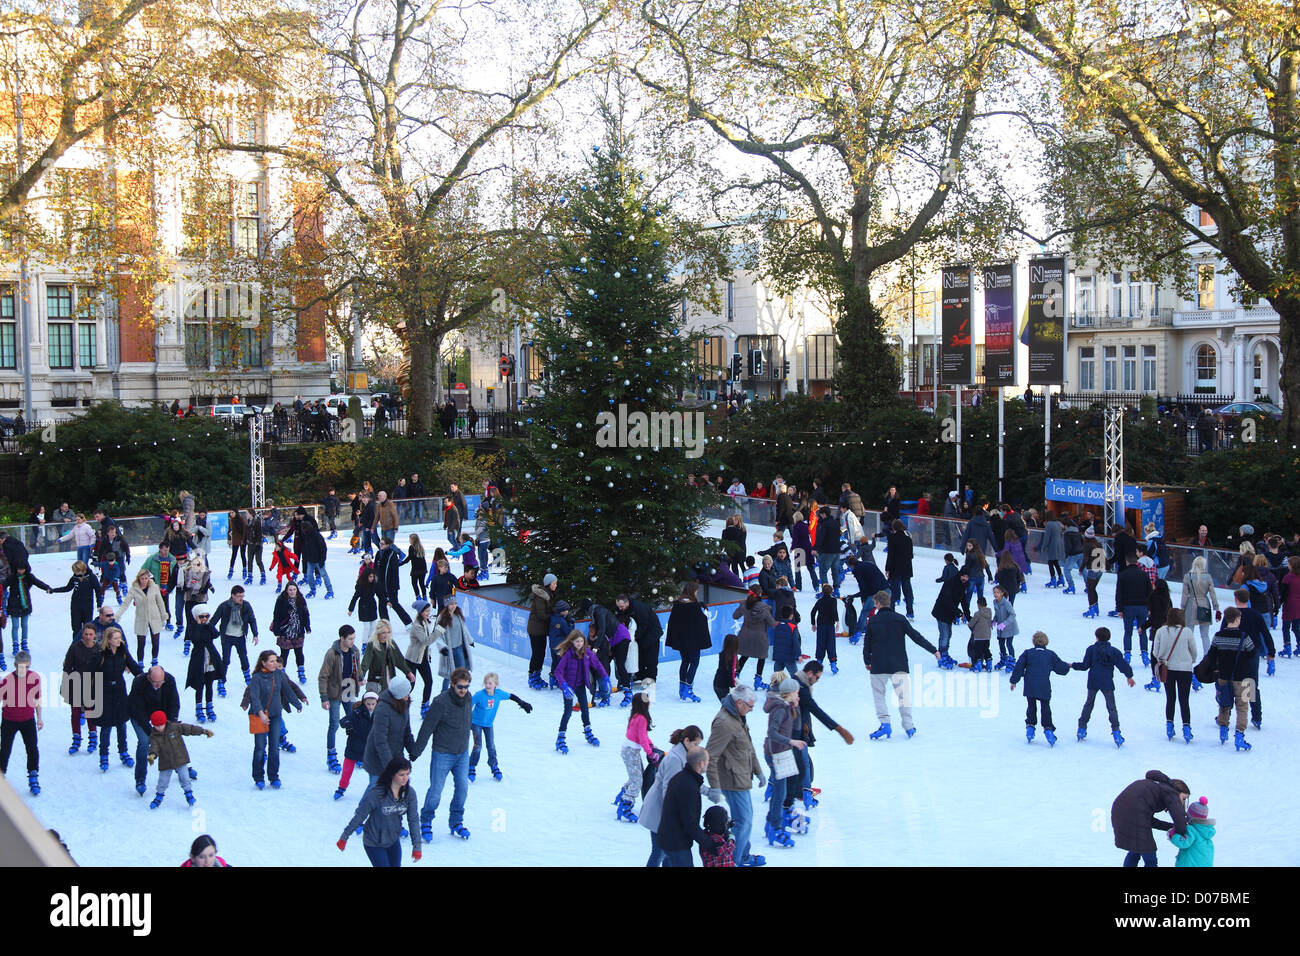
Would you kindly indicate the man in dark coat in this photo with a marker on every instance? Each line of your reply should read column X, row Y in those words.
column 827, row 547
column 885, row 655
column 785, row 509
column 1132, row 588
column 369, row 520
column 898, row 566
column 389, row 579
column 892, row 508
column 153, row 690
column 808, row 708
column 309, row 544
column 418, row 491
column 948, row 606
column 679, row 825
column 648, row 632
column 1132, row 815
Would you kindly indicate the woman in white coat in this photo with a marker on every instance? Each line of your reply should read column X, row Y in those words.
column 1200, row 603
column 422, row 634
column 150, row 612
column 1175, row 649
column 453, row 640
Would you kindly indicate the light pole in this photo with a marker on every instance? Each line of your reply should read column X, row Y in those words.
column 23, row 304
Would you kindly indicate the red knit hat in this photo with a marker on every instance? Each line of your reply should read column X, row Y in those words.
column 158, row 719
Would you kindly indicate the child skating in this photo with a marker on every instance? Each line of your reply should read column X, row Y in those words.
column 826, row 619
column 1004, row 622
column 167, row 747
column 284, row 563
column 1197, row 847
column 573, row 667
column 1100, row 661
column 487, row 703
column 356, row 722
column 638, row 739
column 981, row 637
column 1037, row 665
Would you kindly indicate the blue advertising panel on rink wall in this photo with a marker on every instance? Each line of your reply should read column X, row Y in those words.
column 1153, row 512
column 218, row 526
column 1087, row 492
column 495, row 620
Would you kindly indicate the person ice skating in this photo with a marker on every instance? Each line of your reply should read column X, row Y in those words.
column 205, row 663
column 356, row 723
column 150, row 610
column 203, row 852
column 114, row 713
column 1159, row 604
column 421, row 636
column 419, row 566
column 20, row 713
column 808, row 708
column 756, row 617
column 487, row 704
column 1132, row 815
column 734, row 764
column 1008, row 576
column 441, row 583
column 638, row 740
column 18, row 602
column 826, row 619
column 153, row 690
column 167, row 747
column 253, row 540
column 787, row 645
column 232, row 621
column 265, row 698
column 885, row 656
column 77, row 686
column 390, row 732
column 1255, row 626
column 898, row 566
column 1051, row 549
column 981, row 634
column 573, row 669
column 782, row 709
column 380, row 816
column 688, row 634
column 1132, row 589
column 1004, row 622
column 648, row 633
column 539, row 626
column 724, row 678
column 721, row 849
column 1196, row 846
column 365, row 601
column 284, row 563
column 196, row 584
column 1036, row 666
column 447, row 725
column 1289, row 591
column 679, row 823
column 164, row 571
column 112, row 554
column 291, row 623
column 1236, row 663
column 382, row 660
column 339, row 684
column 452, row 640
column 1173, row 654
column 236, row 530
column 1101, row 660
column 87, row 594
column 949, row 606
column 388, row 580
column 683, row 742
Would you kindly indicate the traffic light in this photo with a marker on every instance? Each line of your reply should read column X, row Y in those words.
column 736, row 367
column 755, row 362
column 785, row 372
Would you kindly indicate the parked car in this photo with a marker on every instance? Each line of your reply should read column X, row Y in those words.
column 334, row 401
column 230, row 413
column 1250, row 410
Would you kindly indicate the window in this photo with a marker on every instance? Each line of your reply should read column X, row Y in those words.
column 1116, row 293
column 86, row 345
column 1087, row 369
column 1257, row 369
column 247, row 224
column 1109, row 369
column 1207, row 368
column 71, row 195
column 58, row 312
column 1083, row 294
column 1130, row 368
column 215, row 336
column 8, row 328
column 1137, row 298
column 1149, row 368
column 1205, row 286
column 246, row 130
column 1206, row 220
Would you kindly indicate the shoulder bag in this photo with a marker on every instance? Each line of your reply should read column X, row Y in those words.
column 1162, row 668
column 256, row 723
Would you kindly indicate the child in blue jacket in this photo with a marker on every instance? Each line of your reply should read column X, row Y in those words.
column 560, row 628
column 1196, row 848
column 486, row 704
column 1100, row 661
column 786, row 645
column 826, row 618
column 1037, row 665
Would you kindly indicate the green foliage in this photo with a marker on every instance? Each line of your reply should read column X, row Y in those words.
column 607, row 519
column 380, row 459
column 868, row 373
column 464, row 467
column 133, row 461
column 1250, row 483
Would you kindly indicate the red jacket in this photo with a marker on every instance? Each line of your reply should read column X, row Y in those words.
column 721, row 852
column 20, row 703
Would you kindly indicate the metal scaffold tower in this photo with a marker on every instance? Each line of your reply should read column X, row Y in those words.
column 256, row 439
column 1114, row 464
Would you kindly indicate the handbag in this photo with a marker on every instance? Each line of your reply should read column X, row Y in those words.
column 1162, row 668
column 258, row 724
column 1202, row 614
column 783, row 764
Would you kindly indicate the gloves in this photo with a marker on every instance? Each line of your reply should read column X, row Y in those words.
column 208, row 733
column 848, row 737
column 528, row 708
column 1218, row 615
column 715, row 795
column 762, row 779
column 604, row 686
column 1272, row 667
column 416, row 855
column 1002, row 625
column 566, row 690
column 342, row 844
column 656, row 756
column 151, row 758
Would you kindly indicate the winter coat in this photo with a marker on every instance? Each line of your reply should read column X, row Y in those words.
column 1100, row 661
column 1004, row 612
column 981, row 624
column 781, row 722
column 388, row 573
column 381, row 813
column 883, row 650
column 203, row 637
column 808, row 709
column 198, row 585
column 285, row 637
column 1158, row 608
column 421, row 634
column 332, row 682
column 1036, row 666
column 154, row 565
column 978, row 530
column 456, row 630
column 733, row 764
column 18, row 591
column 688, row 627
column 1178, row 653
column 107, row 551
column 800, row 540
column 652, row 802
column 1017, row 550
column 898, row 563
column 679, row 822
column 87, row 592
column 309, row 542
column 648, row 627
column 222, row 618
column 389, row 733
column 441, row 587
column 447, row 724
column 1132, row 587
column 365, row 600
column 1196, row 846
column 114, row 709
column 382, row 662
column 80, row 664
column 733, row 541
column 539, row 615
column 784, row 509
column 1198, row 591
column 1051, row 547
column 167, row 744
column 82, row 535
column 870, row 579
column 576, row 671
column 387, row 516
column 753, row 631
column 828, row 536
column 951, row 600
column 144, row 700
column 1072, row 539
column 235, row 530
column 150, row 609
column 1132, row 815
column 1235, row 654
column 357, row 722
column 272, row 692
column 1259, row 597
column 1009, row 579
column 825, row 612
column 1290, row 591
column 786, row 644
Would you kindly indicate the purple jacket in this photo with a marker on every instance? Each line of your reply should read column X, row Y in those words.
column 576, row 671
column 1017, row 550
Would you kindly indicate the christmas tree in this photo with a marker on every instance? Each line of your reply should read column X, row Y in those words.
column 600, row 490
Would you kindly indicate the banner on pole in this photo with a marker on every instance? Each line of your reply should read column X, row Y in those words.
column 956, row 351
column 1000, row 326
column 1046, row 326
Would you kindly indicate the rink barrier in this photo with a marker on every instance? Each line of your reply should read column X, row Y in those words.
column 499, row 622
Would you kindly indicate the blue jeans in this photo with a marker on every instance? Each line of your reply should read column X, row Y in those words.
column 945, row 636
column 830, row 562
column 1071, row 562
column 776, row 805
column 417, row 511
column 690, row 664
column 331, row 735
column 975, row 587
column 678, row 857
column 384, row 855
column 368, row 539
column 482, row 559
column 657, row 856
column 141, row 750
column 457, row 660
column 483, row 735
column 441, row 765
column 312, row 573
column 1148, row 859
column 901, row 586
column 84, row 553
column 260, row 751
column 18, row 632
column 1134, row 614
column 741, row 806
